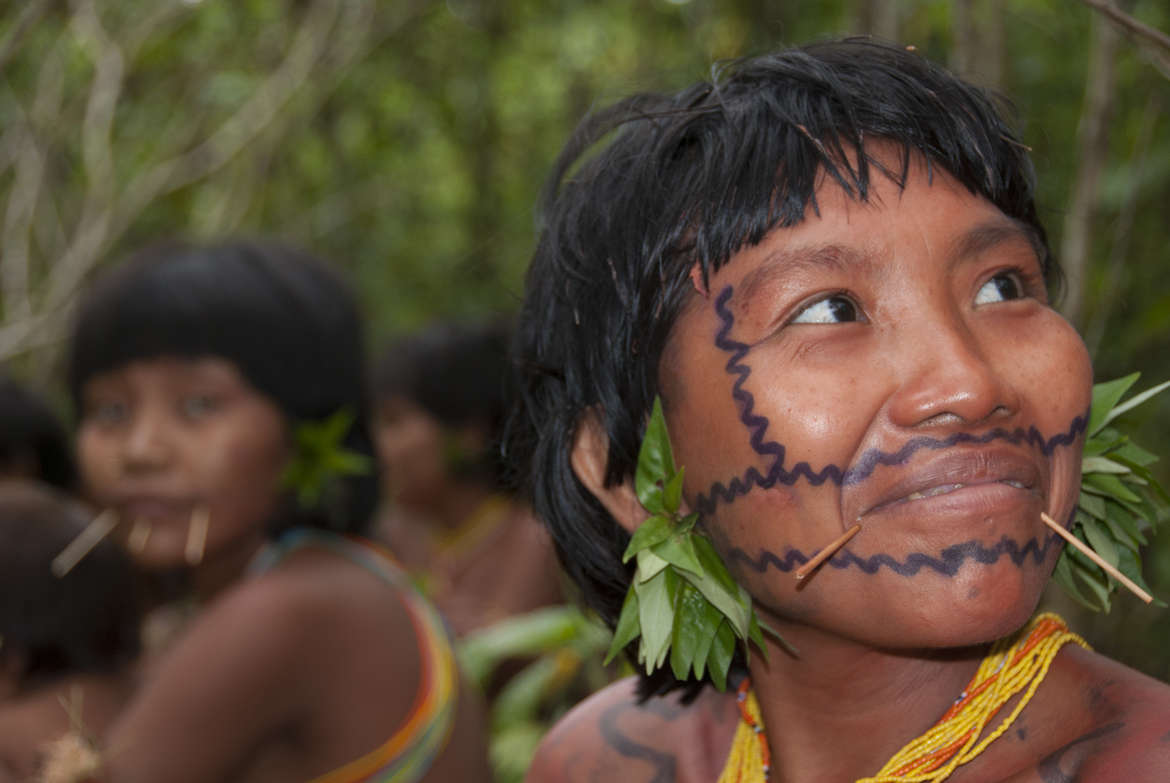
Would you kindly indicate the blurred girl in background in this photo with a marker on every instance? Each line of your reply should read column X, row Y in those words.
column 478, row 550
column 223, row 422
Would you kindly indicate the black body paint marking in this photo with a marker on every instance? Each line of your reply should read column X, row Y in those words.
column 662, row 763
column 948, row 564
column 1051, row 769
column 757, row 426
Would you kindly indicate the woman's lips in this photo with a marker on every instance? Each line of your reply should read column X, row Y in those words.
column 967, row 482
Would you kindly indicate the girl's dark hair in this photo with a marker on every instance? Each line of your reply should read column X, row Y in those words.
column 458, row 373
column 285, row 320
column 691, row 178
column 86, row 621
column 32, row 436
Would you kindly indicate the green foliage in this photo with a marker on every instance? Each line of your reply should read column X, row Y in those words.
column 319, row 458
column 1121, row 502
column 682, row 605
column 563, row 648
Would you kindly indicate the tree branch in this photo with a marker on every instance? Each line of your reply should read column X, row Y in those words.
column 1156, row 42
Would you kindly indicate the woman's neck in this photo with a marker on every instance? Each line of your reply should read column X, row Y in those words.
column 841, row 709
column 225, row 567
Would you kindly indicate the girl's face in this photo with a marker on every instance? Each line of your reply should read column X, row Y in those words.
column 165, row 440
column 409, row 442
column 896, row 364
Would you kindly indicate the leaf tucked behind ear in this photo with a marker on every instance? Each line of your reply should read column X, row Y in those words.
column 682, row 605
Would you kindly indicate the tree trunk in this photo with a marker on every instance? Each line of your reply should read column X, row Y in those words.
column 1093, row 152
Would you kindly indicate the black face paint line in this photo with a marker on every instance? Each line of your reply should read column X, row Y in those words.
column 948, row 562
column 663, row 764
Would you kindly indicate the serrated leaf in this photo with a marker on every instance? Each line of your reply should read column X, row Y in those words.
column 655, row 529
column 1105, row 398
column 1136, row 400
column 1102, row 465
column 627, row 629
column 655, row 461
column 679, row 551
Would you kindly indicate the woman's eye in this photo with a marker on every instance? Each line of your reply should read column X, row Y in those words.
column 197, row 406
column 107, row 413
column 1001, row 288
column 834, row 309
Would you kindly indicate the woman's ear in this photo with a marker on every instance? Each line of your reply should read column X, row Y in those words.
column 589, row 457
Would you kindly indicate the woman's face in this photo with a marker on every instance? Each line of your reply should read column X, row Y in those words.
column 409, row 442
column 893, row 363
column 162, row 441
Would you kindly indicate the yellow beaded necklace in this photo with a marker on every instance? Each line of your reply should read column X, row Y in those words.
column 1017, row 663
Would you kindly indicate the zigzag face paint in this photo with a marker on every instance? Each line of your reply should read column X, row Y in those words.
column 896, row 363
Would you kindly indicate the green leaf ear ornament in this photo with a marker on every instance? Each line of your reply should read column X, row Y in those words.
column 319, row 458
column 682, row 605
column 1120, row 504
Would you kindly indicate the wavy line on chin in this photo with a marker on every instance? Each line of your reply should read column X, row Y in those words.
column 948, row 563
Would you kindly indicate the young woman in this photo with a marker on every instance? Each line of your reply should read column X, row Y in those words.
column 223, row 423
column 828, row 265
column 441, row 397
column 67, row 644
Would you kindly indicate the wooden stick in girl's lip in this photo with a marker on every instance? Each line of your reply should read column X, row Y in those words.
column 197, row 536
column 1089, row 553
column 827, row 552
column 86, row 540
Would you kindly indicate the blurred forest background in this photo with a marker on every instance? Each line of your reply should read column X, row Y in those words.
column 406, row 141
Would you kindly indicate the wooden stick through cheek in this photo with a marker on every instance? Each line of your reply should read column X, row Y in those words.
column 827, row 552
column 1089, row 553
column 91, row 536
column 197, row 536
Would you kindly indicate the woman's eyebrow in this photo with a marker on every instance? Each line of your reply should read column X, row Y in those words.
column 834, row 258
column 991, row 233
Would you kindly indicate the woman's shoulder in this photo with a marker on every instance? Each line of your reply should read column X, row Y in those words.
column 615, row 734
column 1125, row 731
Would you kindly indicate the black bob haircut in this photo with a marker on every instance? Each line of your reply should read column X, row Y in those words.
column 86, row 621
column 459, row 373
column 284, row 318
column 691, row 178
column 33, row 440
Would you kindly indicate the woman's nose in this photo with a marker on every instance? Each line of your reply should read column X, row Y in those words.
column 145, row 445
column 947, row 377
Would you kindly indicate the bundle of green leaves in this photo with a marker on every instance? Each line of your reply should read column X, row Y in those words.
column 1121, row 502
column 682, row 603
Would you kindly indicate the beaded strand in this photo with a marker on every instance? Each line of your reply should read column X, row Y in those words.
column 1016, row 663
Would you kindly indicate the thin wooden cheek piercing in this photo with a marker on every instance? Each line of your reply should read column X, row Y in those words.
column 827, row 552
column 197, row 536
column 1089, row 553
column 101, row 526
column 139, row 535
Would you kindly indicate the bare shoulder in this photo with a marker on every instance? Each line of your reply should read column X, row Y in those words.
column 1127, row 735
column 614, row 736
